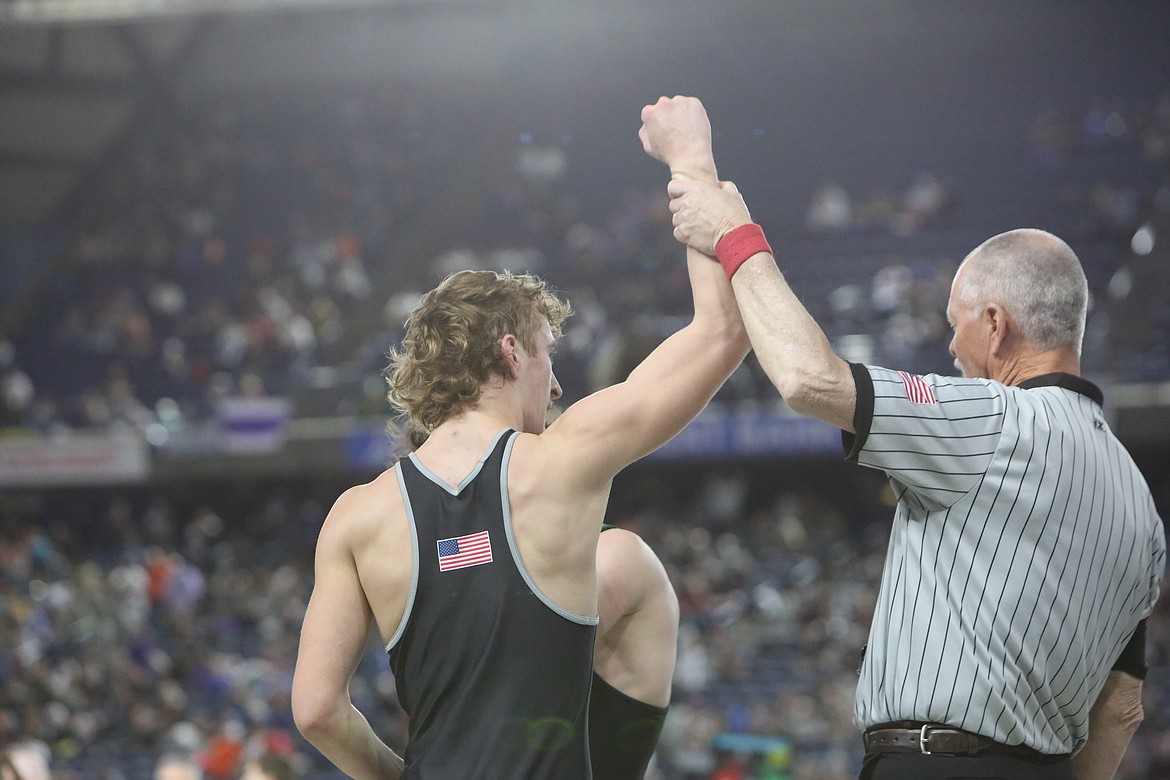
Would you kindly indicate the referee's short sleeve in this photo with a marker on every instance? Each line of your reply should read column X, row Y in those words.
column 936, row 435
column 1132, row 660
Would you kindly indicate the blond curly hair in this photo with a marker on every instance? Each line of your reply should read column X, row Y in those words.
column 451, row 347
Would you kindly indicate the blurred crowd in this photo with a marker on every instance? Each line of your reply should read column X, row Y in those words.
column 162, row 626
column 260, row 248
column 133, row 635
column 247, row 248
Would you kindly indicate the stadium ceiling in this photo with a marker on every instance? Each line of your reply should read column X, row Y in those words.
column 78, row 79
column 68, row 93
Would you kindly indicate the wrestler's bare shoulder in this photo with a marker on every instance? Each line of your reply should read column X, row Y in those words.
column 366, row 509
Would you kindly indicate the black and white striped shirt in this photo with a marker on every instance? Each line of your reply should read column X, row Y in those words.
column 1025, row 549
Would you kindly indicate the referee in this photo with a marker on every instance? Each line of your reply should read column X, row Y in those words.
column 1009, row 634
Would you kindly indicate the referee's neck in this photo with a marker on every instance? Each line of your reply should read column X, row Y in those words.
column 1020, row 367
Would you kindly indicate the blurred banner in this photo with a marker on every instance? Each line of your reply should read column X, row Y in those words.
column 751, row 433
column 73, row 460
column 764, row 432
column 253, row 425
column 368, row 449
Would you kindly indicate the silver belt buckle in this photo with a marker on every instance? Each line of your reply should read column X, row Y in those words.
column 922, row 737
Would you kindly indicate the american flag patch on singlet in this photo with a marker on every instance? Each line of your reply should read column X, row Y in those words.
column 459, row 552
column 917, row 390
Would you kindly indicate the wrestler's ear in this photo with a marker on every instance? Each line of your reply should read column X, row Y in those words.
column 511, row 359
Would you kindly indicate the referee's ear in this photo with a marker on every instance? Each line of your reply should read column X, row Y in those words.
column 1000, row 328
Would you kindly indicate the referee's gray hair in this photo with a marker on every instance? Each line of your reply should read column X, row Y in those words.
column 1038, row 279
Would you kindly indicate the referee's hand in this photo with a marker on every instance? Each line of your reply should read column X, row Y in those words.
column 704, row 213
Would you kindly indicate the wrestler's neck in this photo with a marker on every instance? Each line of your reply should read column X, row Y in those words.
column 1023, row 365
column 474, row 428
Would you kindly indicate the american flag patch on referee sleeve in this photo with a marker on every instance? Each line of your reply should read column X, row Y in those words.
column 459, row 552
column 917, row 389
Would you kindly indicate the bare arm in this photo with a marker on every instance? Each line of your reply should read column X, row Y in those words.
column 791, row 347
column 1115, row 717
column 615, row 426
column 637, row 636
column 333, row 636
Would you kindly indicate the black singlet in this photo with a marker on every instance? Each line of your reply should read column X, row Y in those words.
column 623, row 733
column 494, row 676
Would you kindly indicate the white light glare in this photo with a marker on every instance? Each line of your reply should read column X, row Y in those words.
column 1142, row 242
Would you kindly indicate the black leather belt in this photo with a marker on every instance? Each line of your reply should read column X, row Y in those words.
column 932, row 739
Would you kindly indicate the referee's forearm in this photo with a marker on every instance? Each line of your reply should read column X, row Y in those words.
column 792, row 349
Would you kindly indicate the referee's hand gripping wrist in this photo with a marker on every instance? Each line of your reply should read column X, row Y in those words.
column 705, row 213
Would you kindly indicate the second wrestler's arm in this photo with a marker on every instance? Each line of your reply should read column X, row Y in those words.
column 637, row 636
column 1114, row 718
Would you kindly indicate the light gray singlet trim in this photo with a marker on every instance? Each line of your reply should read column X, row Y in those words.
column 506, row 502
column 413, row 562
column 466, row 480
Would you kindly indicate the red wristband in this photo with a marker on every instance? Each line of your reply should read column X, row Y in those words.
column 738, row 245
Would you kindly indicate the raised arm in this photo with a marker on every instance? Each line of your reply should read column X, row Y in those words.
column 791, row 347
column 615, row 426
column 676, row 131
column 333, row 636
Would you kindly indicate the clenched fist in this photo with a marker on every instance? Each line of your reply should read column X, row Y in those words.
column 677, row 132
